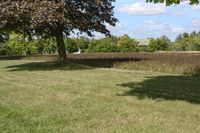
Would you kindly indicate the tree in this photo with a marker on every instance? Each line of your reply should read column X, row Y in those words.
column 57, row 18
column 71, row 45
column 82, row 43
column 3, row 38
column 18, row 45
column 153, row 46
column 161, row 43
column 127, row 44
column 46, row 45
column 164, row 43
column 107, row 44
column 188, row 42
column 179, row 37
column 186, row 35
column 193, row 34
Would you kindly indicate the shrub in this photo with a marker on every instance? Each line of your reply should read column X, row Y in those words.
column 82, row 43
column 3, row 51
column 71, row 45
column 108, row 44
column 20, row 45
column 104, row 47
column 126, row 44
column 159, row 44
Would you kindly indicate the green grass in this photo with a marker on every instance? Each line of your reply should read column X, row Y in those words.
column 42, row 97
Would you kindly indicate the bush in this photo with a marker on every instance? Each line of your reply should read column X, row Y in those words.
column 159, row 44
column 20, row 45
column 82, row 43
column 3, row 51
column 71, row 45
column 187, row 42
column 108, row 44
column 126, row 44
column 104, row 47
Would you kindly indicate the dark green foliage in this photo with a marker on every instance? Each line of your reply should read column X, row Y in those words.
column 18, row 44
column 153, row 45
column 108, row 44
column 187, row 42
column 3, row 38
column 46, row 46
column 3, row 50
column 82, row 43
column 105, row 47
column 127, row 44
column 159, row 44
column 71, row 45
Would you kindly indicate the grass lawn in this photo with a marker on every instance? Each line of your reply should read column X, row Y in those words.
column 41, row 97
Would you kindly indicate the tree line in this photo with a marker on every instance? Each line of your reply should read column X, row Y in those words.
column 19, row 44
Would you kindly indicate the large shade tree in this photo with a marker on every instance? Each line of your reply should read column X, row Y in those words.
column 56, row 18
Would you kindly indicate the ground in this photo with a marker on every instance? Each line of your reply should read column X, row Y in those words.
column 41, row 97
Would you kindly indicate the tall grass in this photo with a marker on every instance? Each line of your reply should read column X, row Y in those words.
column 179, row 63
column 185, row 63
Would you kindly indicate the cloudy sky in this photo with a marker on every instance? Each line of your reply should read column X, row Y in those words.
column 141, row 20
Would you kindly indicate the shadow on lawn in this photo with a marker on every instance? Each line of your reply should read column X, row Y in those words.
column 71, row 64
column 45, row 66
column 166, row 88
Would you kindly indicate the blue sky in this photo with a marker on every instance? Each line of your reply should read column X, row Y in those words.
column 140, row 20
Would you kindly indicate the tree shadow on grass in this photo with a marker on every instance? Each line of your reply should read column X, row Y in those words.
column 103, row 62
column 71, row 64
column 166, row 88
column 46, row 66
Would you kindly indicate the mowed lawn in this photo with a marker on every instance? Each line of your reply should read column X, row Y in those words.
column 41, row 97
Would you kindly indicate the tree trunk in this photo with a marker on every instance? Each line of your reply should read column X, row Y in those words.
column 61, row 47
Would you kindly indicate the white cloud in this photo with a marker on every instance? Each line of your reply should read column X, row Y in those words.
column 118, row 26
column 196, row 22
column 178, row 14
column 196, row 7
column 177, row 30
column 152, row 22
column 144, row 9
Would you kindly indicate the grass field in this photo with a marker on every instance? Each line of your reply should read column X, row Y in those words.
column 41, row 97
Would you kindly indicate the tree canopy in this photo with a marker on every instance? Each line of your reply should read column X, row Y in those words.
column 55, row 17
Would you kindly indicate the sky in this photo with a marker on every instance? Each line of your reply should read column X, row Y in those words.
column 141, row 20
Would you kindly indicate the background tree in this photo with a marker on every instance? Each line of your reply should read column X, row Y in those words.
column 71, row 45
column 82, row 43
column 46, row 45
column 187, row 42
column 127, row 44
column 160, row 44
column 57, row 18
column 107, row 44
column 18, row 45
column 3, row 38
